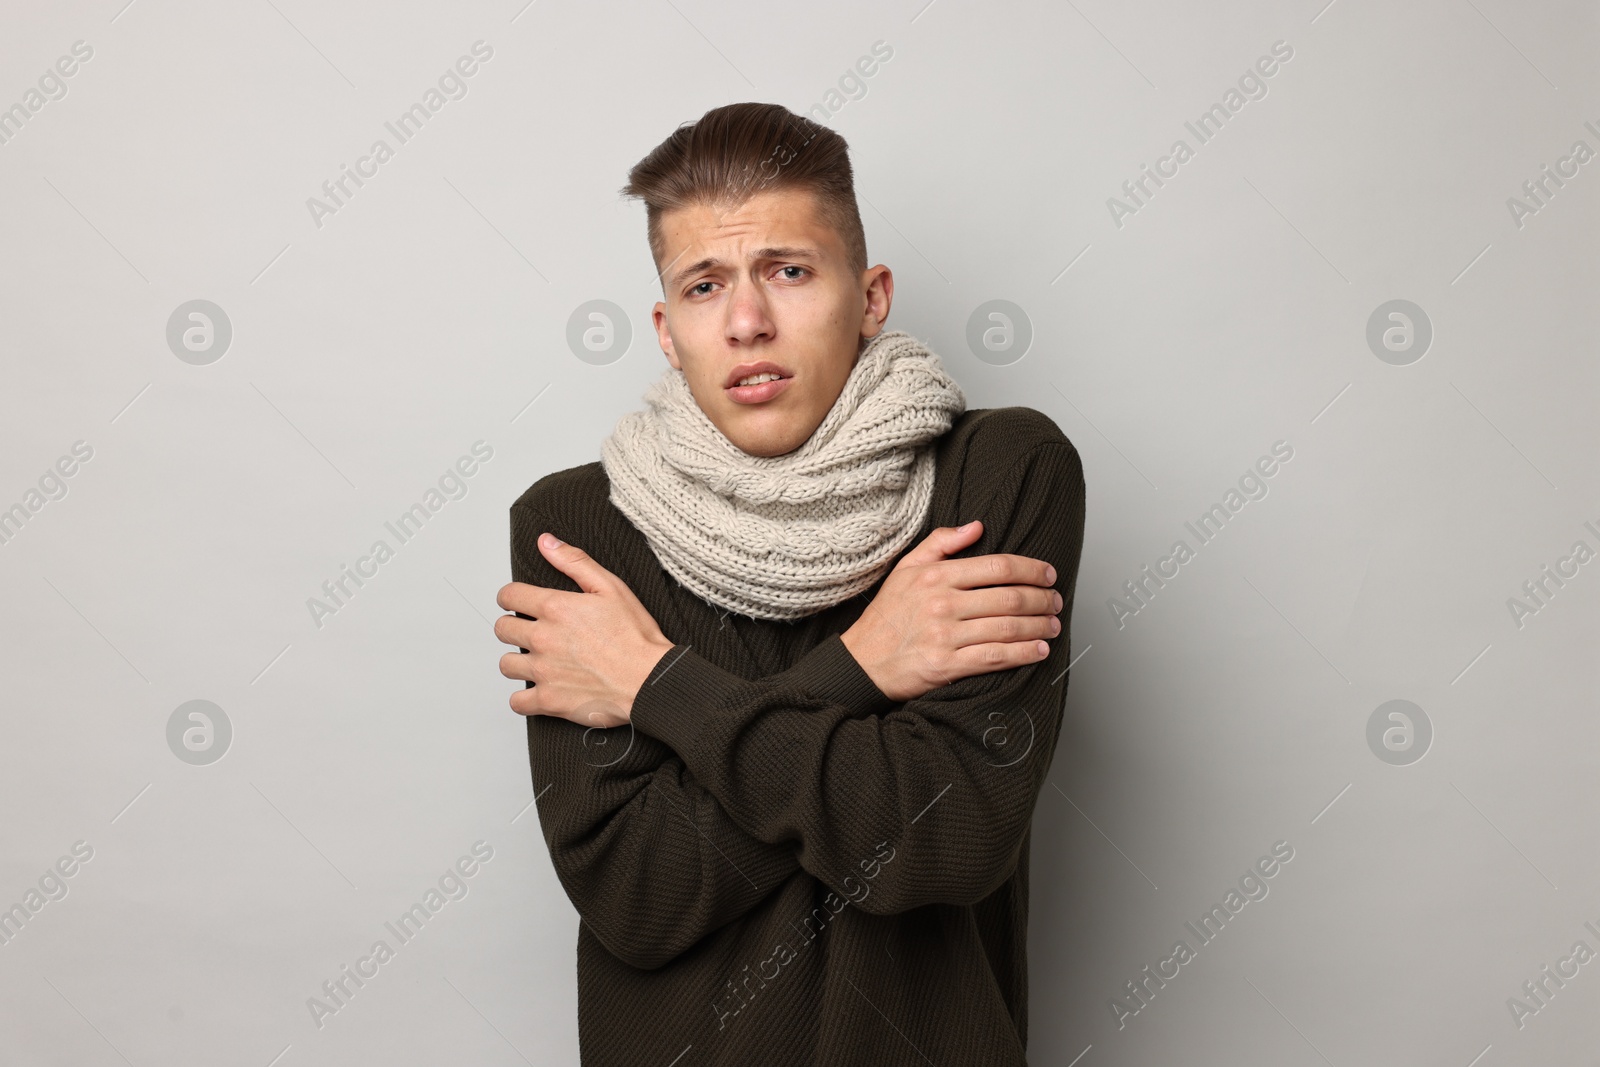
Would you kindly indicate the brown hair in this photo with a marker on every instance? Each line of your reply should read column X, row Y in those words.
column 737, row 150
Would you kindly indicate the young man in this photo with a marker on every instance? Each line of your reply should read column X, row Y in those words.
column 794, row 648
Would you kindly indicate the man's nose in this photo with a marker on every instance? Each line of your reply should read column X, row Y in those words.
column 749, row 318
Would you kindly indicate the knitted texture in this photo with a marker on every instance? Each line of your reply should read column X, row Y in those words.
column 773, row 863
column 783, row 537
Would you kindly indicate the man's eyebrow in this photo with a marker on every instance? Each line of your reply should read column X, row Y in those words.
column 793, row 252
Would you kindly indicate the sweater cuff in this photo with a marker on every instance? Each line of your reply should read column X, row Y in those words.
column 829, row 672
column 684, row 688
column 670, row 705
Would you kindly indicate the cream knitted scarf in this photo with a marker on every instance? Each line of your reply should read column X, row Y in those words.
column 783, row 537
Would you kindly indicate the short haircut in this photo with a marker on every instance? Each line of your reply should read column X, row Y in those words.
column 737, row 150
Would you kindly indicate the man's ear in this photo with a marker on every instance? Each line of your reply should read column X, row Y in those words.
column 658, row 316
column 878, row 295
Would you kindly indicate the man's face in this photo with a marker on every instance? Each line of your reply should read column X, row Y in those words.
column 765, row 286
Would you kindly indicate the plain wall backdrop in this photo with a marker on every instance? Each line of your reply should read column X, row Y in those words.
column 1378, row 258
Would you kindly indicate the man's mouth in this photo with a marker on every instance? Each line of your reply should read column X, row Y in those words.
column 756, row 383
column 757, row 379
column 758, row 388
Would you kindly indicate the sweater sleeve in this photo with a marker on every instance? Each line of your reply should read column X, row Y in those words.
column 648, row 857
column 894, row 805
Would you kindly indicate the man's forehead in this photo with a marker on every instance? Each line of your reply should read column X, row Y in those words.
column 766, row 221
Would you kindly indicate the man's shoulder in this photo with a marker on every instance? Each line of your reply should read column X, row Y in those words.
column 994, row 462
column 559, row 493
column 1013, row 468
column 991, row 439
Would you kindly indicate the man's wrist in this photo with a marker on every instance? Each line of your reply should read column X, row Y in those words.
column 653, row 651
column 859, row 648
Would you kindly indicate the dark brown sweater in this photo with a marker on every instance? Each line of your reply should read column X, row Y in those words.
column 776, row 864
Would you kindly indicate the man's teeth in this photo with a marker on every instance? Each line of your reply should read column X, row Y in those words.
column 757, row 379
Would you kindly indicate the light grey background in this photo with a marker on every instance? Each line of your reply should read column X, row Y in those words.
column 370, row 352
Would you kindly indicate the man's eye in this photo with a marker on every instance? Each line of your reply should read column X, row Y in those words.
column 696, row 289
column 792, row 267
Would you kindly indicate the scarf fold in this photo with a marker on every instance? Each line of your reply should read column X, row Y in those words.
column 783, row 537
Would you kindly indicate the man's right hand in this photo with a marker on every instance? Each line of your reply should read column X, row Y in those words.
column 936, row 620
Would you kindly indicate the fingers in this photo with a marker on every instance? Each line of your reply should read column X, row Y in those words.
column 1006, row 629
column 998, row 568
column 511, row 630
column 1006, row 600
column 575, row 563
column 525, row 701
column 528, row 599
column 988, row 658
column 517, row 665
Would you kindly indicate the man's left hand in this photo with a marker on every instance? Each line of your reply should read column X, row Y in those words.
column 588, row 652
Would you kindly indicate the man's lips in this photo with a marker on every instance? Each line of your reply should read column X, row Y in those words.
column 745, row 370
column 758, row 394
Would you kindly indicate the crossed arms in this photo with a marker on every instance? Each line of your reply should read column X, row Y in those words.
column 699, row 792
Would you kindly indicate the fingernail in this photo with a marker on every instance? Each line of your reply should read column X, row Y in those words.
column 552, row 541
column 1050, row 574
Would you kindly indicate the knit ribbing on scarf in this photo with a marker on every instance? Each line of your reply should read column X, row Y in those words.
column 783, row 537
